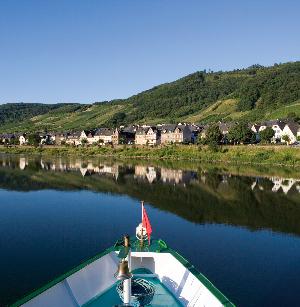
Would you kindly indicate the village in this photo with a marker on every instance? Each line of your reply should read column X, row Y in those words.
column 283, row 132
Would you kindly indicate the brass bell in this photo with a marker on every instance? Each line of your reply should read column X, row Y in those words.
column 123, row 271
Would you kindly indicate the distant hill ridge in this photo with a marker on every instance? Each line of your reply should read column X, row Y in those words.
column 252, row 94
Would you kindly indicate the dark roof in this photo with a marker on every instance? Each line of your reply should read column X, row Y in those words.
column 144, row 130
column 89, row 133
column 225, row 126
column 277, row 122
column 294, row 127
column 129, row 129
column 168, row 127
column 194, row 128
column 74, row 134
column 104, row 131
column 7, row 136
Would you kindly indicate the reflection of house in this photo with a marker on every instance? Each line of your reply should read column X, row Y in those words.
column 23, row 163
column 171, row 175
column 151, row 174
column 148, row 172
column 284, row 183
column 111, row 170
column 147, row 136
column 140, row 170
column 175, row 134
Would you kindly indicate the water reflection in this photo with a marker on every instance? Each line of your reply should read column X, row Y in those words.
column 149, row 173
column 198, row 194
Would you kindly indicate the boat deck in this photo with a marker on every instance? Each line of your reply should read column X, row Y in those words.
column 162, row 297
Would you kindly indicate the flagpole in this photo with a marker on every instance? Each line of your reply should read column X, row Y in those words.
column 142, row 202
column 142, row 240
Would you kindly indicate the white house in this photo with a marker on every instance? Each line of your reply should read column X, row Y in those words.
column 276, row 125
column 292, row 130
column 22, row 139
column 88, row 135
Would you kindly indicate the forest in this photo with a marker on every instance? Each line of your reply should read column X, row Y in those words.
column 252, row 94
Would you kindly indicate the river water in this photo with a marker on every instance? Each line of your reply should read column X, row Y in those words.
column 239, row 226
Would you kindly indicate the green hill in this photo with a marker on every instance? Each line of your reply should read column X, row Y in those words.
column 251, row 94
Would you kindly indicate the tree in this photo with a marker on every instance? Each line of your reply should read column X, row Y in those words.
column 117, row 119
column 213, row 136
column 84, row 141
column 266, row 135
column 292, row 116
column 34, row 139
column 240, row 133
column 286, row 139
column 13, row 141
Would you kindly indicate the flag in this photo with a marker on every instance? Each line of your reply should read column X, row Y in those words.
column 146, row 223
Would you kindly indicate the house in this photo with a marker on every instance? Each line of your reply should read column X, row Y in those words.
column 73, row 138
column 255, row 128
column 127, row 134
column 147, row 136
column 173, row 133
column 104, row 136
column 276, row 125
column 7, row 138
column 47, row 138
column 204, row 131
column 60, row 138
column 23, row 140
column 87, row 135
column 292, row 130
column 115, row 136
column 225, row 127
column 195, row 130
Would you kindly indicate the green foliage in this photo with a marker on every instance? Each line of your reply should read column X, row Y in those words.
column 286, row 139
column 240, row 133
column 34, row 139
column 116, row 120
column 213, row 137
column 84, row 141
column 292, row 116
column 266, row 135
column 12, row 112
column 258, row 91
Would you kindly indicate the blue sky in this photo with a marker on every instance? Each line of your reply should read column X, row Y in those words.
column 85, row 51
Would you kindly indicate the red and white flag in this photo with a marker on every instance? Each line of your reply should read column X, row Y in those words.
column 146, row 222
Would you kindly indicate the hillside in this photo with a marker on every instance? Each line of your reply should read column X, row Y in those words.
column 252, row 94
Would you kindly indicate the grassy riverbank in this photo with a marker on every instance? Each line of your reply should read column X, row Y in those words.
column 268, row 155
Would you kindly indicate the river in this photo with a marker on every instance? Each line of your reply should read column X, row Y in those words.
column 238, row 225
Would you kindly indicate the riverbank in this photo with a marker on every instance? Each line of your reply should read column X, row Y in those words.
column 256, row 155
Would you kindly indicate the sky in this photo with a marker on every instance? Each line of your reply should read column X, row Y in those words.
column 91, row 50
